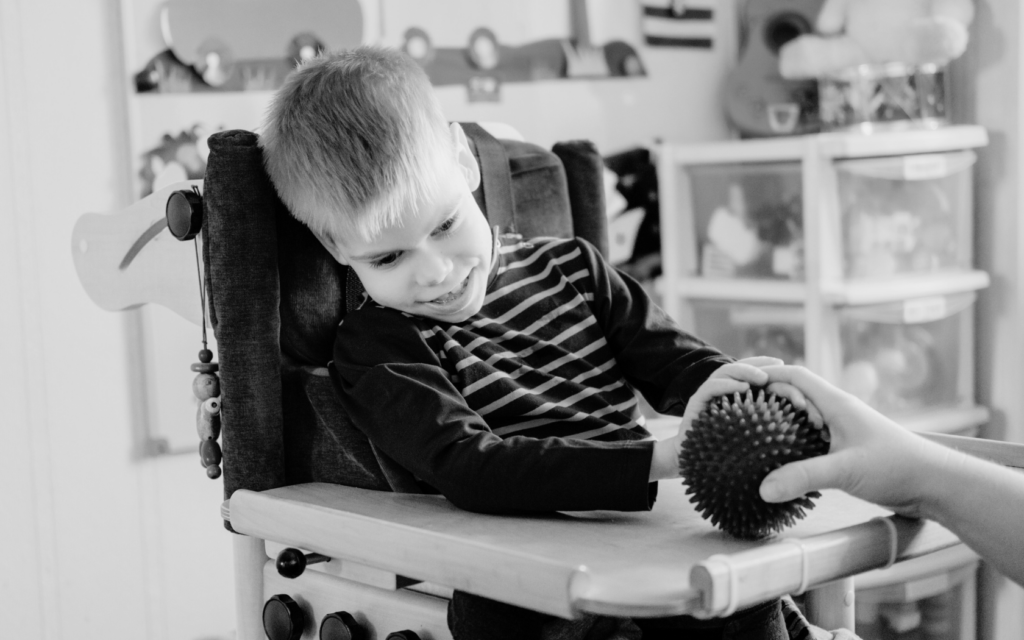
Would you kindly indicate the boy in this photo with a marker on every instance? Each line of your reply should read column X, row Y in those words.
column 501, row 376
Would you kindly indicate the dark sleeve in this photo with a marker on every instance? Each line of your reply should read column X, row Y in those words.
column 663, row 362
column 395, row 389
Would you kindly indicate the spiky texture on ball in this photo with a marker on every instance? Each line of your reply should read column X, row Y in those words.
column 732, row 445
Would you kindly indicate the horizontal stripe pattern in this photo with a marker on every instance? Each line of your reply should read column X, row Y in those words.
column 678, row 24
column 535, row 361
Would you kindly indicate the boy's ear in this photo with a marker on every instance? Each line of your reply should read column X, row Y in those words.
column 464, row 157
column 332, row 247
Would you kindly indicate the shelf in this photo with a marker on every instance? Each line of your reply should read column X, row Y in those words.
column 849, row 293
column 730, row 151
column 827, row 145
column 865, row 292
column 778, row 291
column 893, row 143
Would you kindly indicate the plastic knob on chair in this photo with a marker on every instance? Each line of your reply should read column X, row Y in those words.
column 184, row 213
column 340, row 625
column 283, row 618
column 292, row 562
column 403, row 635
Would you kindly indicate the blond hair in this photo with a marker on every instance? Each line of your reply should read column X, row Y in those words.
column 353, row 141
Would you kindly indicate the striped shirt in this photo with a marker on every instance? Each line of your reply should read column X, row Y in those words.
column 526, row 404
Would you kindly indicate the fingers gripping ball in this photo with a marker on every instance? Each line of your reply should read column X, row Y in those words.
column 733, row 444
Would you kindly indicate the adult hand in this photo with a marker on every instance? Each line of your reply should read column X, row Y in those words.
column 870, row 457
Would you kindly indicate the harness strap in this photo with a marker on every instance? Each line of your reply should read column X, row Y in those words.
column 496, row 177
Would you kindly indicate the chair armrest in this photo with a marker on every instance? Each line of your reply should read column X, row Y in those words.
column 627, row 564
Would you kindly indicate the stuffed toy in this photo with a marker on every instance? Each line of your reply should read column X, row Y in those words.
column 854, row 32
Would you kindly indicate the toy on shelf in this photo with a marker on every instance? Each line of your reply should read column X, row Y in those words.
column 734, row 443
column 880, row 63
column 895, row 364
column 743, row 239
column 885, row 213
column 758, row 101
column 899, row 218
column 898, row 368
column 849, row 33
column 873, row 96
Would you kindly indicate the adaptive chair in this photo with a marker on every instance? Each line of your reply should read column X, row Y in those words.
column 328, row 540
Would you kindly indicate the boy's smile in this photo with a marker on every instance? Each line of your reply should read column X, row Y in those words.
column 436, row 264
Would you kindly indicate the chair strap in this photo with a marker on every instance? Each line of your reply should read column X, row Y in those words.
column 496, row 177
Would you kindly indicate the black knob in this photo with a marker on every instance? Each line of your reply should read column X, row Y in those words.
column 283, row 618
column 184, row 213
column 403, row 635
column 292, row 562
column 340, row 625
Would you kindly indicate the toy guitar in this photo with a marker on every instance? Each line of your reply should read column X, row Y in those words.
column 758, row 100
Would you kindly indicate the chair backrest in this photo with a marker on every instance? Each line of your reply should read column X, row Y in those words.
column 276, row 297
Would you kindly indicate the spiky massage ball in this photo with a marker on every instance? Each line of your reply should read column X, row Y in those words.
column 732, row 445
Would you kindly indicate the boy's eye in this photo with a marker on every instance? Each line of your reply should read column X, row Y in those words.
column 384, row 261
column 446, row 226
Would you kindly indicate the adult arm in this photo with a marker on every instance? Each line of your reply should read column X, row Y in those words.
column 873, row 458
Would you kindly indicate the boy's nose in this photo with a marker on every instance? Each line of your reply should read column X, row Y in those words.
column 433, row 269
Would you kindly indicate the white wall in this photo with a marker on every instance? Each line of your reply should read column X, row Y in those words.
column 95, row 544
column 990, row 82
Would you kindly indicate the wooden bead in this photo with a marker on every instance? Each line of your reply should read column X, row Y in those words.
column 207, row 424
column 213, row 472
column 209, row 452
column 205, row 367
column 212, row 406
column 206, row 385
column 205, row 356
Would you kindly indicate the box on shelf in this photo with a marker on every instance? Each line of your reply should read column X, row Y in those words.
column 908, row 214
column 901, row 357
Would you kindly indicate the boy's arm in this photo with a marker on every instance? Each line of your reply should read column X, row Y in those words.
column 664, row 363
column 411, row 411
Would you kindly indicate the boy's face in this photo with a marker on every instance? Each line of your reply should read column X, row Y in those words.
column 437, row 263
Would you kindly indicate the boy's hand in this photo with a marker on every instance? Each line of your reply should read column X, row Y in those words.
column 727, row 379
column 871, row 457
